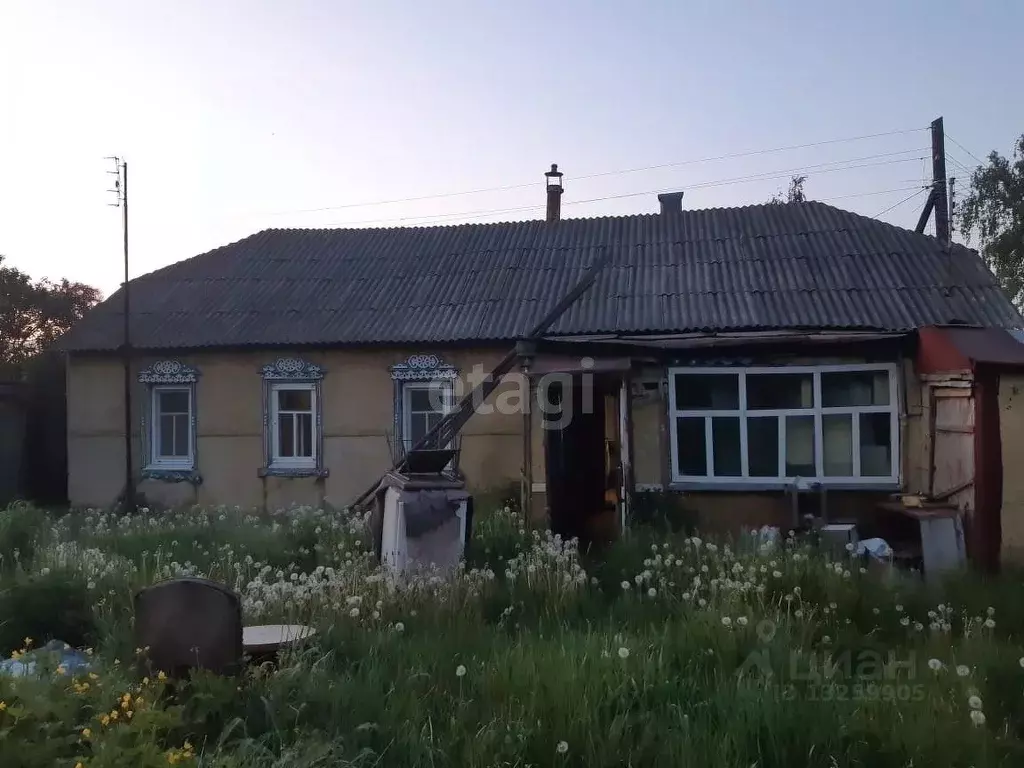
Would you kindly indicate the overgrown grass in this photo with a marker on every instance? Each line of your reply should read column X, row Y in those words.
column 665, row 650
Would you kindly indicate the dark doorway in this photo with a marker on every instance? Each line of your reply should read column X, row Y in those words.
column 577, row 458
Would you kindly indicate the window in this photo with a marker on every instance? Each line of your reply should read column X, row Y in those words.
column 172, row 427
column 424, row 393
column 424, row 404
column 169, row 421
column 293, row 425
column 293, row 408
column 831, row 424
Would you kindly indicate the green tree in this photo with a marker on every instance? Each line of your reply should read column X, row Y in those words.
column 993, row 212
column 794, row 194
column 33, row 313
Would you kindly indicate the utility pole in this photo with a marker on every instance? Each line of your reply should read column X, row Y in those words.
column 937, row 199
column 121, row 191
column 939, row 181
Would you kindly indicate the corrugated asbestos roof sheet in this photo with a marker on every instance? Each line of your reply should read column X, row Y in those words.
column 799, row 265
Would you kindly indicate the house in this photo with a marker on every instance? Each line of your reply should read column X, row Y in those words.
column 732, row 354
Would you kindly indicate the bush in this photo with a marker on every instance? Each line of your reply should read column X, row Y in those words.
column 51, row 606
column 664, row 510
column 20, row 527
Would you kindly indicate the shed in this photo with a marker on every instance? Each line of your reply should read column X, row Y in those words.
column 974, row 392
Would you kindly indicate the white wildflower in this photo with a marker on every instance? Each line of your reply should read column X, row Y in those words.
column 963, row 670
column 623, row 652
column 977, row 717
column 460, row 671
column 974, row 702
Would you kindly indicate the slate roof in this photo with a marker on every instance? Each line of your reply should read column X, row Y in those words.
column 792, row 266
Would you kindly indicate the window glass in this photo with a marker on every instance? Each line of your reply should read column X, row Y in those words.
column 294, row 399
column 837, row 444
column 763, row 446
column 711, row 391
column 780, row 391
column 875, row 445
column 286, row 435
column 800, row 446
column 173, row 401
column 172, row 422
column 725, row 440
column 691, row 447
column 854, row 388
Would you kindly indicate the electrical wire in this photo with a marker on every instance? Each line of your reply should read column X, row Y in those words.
column 767, row 176
column 956, row 162
column 867, row 194
column 901, row 202
column 508, row 187
column 965, row 149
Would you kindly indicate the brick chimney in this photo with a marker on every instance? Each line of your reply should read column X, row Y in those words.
column 671, row 202
column 554, row 186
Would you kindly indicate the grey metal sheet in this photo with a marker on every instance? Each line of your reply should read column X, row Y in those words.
column 803, row 265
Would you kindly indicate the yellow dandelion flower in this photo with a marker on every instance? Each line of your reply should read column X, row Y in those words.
column 86, row 733
column 28, row 642
column 62, row 670
column 113, row 714
column 129, row 714
column 145, row 681
column 3, row 706
column 79, row 765
column 125, row 704
column 161, row 676
column 172, row 758
column 93, row 676
column 105, row 720
column 15, row 655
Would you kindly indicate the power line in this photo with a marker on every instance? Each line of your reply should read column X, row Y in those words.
column 961, row 166
column 901, row 202
column 736, row 155
column 508, row 187
column 767, row 176
column 965, row 149
column 867, row 194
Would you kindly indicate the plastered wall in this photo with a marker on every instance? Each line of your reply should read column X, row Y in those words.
column 358, row 410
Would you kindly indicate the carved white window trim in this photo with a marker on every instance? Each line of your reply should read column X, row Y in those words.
column 414, row 371
column 291, row 373
column 163, row 376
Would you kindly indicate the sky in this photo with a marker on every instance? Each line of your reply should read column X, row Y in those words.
column 238, row 116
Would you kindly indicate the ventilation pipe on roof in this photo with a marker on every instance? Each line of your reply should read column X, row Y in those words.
column 554, row 185
column 671, row 202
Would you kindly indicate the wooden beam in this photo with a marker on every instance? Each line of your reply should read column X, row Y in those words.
column 929, row 204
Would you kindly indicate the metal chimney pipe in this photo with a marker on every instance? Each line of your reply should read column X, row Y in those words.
column 554, row 186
